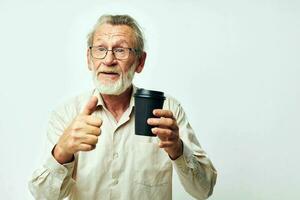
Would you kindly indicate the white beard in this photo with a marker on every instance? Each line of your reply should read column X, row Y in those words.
column 117, row 87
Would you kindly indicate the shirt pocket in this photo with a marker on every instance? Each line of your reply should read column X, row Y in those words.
column 152, row 166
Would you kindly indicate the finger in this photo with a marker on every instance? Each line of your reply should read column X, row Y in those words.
column 86, row 147
column 163, row 113
column 163, row 122
column 93, row 121
column 91, row 106
column 166, row 144
column 162, row 138
column 93, row 130
column 90, row 139
column 164, row 133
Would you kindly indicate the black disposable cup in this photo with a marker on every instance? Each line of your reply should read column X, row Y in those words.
column 145, row 101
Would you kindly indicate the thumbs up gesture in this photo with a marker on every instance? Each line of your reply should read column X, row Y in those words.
column 81, row 135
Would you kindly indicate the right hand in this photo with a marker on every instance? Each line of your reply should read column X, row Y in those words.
column 81, row 135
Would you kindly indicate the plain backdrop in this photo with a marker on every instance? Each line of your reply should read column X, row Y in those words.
column 234, row 66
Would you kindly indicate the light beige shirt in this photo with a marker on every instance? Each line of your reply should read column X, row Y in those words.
column 123, row 165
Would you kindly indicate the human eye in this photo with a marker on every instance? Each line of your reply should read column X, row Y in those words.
column 101, row 49
column 119, row 50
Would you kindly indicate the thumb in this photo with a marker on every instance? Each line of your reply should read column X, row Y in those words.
column 90, row 107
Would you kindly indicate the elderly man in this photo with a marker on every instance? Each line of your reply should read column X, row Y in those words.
column 92, row 150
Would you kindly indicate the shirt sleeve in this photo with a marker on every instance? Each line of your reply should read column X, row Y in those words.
column 53, row 181
column 195, row 170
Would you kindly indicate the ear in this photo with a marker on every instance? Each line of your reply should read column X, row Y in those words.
column 141, row 63
column 88, row 57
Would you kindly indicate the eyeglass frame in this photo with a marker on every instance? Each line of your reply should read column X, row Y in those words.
column 112, row 50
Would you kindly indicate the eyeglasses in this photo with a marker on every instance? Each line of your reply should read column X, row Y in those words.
column 120, row 53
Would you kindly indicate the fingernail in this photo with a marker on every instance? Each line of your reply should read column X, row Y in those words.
column 160, row 144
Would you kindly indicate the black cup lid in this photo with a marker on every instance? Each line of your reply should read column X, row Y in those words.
column 149, row 94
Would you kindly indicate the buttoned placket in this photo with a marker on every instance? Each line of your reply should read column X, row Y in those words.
column 115, row 168
column 115, row 164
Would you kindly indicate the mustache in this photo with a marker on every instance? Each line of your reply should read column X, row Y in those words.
column 110, row 70
column 104, row 69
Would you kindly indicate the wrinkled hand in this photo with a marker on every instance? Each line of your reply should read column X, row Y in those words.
column 81, row 135
column 168, row 132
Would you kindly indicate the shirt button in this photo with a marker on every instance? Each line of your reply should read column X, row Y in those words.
column 61, row 171
column 116, row 155
column 116, row 182
column 114, row 176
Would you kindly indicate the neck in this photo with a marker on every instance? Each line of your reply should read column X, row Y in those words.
column 117, row 104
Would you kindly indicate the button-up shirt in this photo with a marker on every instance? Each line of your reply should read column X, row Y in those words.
column 123, row 165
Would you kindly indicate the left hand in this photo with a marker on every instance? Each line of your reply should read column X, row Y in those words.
column 168, row 132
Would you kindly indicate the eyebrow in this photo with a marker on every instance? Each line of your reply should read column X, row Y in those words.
column 118, row 42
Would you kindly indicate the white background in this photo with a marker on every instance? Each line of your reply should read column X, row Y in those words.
column 234, row 66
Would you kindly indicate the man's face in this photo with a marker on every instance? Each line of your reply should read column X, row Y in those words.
column 112, row 76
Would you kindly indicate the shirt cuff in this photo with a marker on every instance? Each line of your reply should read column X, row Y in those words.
column 184, row 161
column 60, row 171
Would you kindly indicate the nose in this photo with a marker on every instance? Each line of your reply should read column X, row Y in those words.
column 110, row 59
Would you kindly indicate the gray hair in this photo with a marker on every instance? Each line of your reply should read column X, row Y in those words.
column 120, row 20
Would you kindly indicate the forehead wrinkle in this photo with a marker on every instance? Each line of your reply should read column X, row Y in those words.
column 114, row 38
column 114, row 41
column 110, row 35
column 115, row 34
